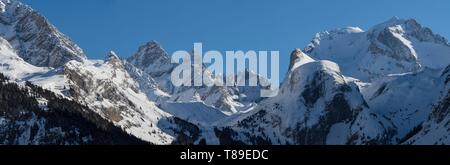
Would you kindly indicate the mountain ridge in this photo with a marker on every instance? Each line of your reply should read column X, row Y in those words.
column 387, row 85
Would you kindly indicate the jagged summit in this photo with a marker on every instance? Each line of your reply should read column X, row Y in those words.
column 152, row 58
column 151, row 48
column 34, row 38
column 393, row 22
column 297, row 53
column 112, row 56
column 411, row 28
column 298, row 58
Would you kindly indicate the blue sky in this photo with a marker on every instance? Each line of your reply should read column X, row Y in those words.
column 123, row 25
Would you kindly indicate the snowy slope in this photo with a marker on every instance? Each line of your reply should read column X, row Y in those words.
column 147, row 84
column 153, row 60
column 194, row 112
column 30, row 45
column 407, row 99
column 436, row 129
column 12, row 65
column 298, row 58
column 30, row 115
column 107, row 88
column 393, row 47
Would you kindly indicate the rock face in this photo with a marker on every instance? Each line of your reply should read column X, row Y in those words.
column 34, row 38
column 250, row 94
column 406, row 100
column 295, row 55
column 402, row 60
column 395, row 46
column 153, row 60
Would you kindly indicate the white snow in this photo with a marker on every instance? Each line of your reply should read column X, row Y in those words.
column 338, row 134
column 400, row 82
column 303, row 59
column 194, row 112
column 12, row 65
column 141, row 121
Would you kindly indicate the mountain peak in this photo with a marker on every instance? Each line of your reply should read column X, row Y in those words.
column 151, row 49
column 113, row 59
column 112, row 55
column 153, row 44
column 152, row 58
column 2, row 6
column 296, row 54
column 298, row 58
column 34, row 38
column 409, row 25
column 347, row 30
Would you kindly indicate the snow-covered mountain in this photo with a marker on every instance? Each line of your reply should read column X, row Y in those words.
column 154, row 61
column 393, row 47
column 316, row 105
column 298, row 58
column 34, row 38
column 34, row 51
column 392, row 76
column 386, row 85
column 436, row 129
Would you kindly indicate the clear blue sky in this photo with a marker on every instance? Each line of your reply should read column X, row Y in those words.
column 123, row 25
